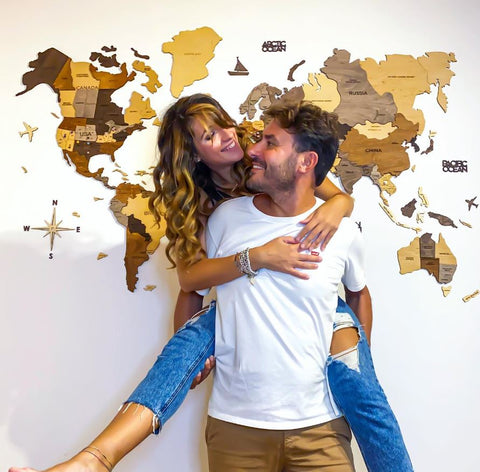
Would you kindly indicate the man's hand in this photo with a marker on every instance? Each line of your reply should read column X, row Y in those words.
column 201, row 376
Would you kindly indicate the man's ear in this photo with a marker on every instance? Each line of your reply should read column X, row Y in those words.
column 308, row 161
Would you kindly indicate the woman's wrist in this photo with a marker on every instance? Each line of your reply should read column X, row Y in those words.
column 345, row 203
column 244, row 265
column 256, row 259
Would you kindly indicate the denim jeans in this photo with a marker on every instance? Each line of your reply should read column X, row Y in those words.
column 359, row 396
column 168, row 381
column 353, row 385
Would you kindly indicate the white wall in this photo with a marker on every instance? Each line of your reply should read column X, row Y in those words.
column 74, row 341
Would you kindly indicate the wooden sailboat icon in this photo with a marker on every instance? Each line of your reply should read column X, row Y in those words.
column 240, row 69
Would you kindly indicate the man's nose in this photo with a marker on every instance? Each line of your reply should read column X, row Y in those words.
column 254, row 150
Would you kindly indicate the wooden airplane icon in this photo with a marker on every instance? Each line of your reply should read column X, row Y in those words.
column 29, row 130
column 470, row 203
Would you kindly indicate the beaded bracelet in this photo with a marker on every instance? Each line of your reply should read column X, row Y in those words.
column 242, row 261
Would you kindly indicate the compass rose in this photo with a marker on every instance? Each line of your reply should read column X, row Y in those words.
column 52, row 228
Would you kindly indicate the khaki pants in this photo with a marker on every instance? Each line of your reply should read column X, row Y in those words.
column 236, row 448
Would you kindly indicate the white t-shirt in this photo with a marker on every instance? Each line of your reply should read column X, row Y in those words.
column 273, row 337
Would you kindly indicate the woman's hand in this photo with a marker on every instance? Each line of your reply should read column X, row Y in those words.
column 323, row 223
column 283, row 255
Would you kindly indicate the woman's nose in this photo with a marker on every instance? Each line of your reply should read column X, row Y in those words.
column 225, row 134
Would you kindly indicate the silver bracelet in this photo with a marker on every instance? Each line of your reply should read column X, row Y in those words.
column 242, row 261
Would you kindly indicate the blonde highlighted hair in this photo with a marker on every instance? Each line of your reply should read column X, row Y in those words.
column 184, row 189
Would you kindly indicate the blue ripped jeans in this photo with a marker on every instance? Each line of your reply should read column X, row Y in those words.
column 355, row 388
column 351, row 377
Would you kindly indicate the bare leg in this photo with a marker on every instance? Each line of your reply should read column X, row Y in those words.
column 343, row 339
column 180, row 362
column 127, row 430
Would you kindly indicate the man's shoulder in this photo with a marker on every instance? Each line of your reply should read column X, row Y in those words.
column 231, row 205
column 348, row 224
column 347, row 231
column 228, row 209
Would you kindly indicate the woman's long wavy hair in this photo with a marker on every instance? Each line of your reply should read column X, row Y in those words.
column 179, row 180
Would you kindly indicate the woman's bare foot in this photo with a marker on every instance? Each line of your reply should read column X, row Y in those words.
column 82, row 462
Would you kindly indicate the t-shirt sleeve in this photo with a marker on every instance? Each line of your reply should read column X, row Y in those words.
column 211, row 247
column 210, row 239
column 354, row 276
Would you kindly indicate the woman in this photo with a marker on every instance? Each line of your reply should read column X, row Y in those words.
column 202, row 163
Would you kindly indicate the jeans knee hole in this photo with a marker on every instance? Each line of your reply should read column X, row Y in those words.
column 349, row 357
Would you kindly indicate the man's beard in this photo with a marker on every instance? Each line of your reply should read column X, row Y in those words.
column 274, row 179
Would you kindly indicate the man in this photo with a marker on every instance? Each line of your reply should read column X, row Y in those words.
column 270, row 408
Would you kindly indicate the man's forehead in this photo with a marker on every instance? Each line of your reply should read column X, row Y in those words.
column 273, row 129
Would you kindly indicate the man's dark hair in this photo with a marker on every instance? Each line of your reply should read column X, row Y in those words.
column 314, row 130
